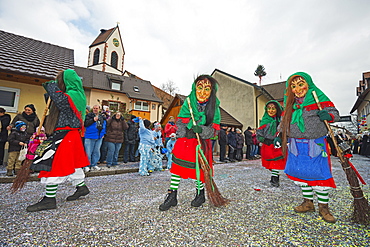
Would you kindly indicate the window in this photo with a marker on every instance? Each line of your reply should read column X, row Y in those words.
column 141, row 105
column 116, row 85
column 9, row 98
column 115, row 106
column 114, row 60
column 153, row 106
column 96, row 56
column 136, row 89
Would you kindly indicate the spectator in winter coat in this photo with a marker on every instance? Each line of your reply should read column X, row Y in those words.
column 104, row 148
column 222, row 141
column 255, row 146
column 4, row 122
column 17, row 139
column 170, row 128
column 248, row 142
column 231, row 136
column 239, row 145
column 131, row 138
column 95, row 128
column 29, row 117
column 114, row 137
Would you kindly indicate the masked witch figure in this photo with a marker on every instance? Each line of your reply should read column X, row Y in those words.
column 203, row 105
column 61, row 157
column 271, row 154
column 308, row 162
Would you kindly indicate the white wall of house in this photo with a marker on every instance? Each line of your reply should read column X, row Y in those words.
column 239, row 99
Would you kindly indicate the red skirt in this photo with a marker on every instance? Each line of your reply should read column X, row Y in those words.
column 184, row 158
column 69, row 155
column 272, row 158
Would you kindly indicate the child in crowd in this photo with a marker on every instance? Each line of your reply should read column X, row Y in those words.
column 156, row 156
column 35, row 141
column 170, row 144
column 42, row 136
column 17, row 139
column 146, row 145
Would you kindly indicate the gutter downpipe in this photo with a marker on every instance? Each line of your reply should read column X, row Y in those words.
column 257, row 109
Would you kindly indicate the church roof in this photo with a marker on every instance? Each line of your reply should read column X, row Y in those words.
column 103, row 36
column 26, row 56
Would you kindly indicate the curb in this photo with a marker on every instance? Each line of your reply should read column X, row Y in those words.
column 5, row 180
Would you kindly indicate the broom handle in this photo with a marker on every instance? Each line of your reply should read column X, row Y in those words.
column 44, row 115
column 339, row 151
column 331, row 133
column 192, row 118
column 197, row 134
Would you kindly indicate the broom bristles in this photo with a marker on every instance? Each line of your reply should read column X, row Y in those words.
column 361, row 211
column 22, row 176
column 361, row 207
column 213, row 194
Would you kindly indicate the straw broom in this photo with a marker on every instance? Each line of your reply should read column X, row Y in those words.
column 213, row 193
column 361, row 208
column 24, row 173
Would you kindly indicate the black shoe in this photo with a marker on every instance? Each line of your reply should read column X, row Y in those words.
column 45, row 204
column 275, row 181
column 170, row 201
column 81, row 191
column 199, row 199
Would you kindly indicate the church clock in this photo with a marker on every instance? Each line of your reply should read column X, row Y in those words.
column 115, row 42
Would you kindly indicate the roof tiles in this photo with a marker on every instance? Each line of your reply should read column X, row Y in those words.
column 26, row 56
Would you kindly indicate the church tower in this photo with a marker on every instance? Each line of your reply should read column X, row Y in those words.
column 106, row 53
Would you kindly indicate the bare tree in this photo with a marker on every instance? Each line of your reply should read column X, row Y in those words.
column 169, row 87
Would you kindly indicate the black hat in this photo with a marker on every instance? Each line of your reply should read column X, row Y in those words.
column 249, row 128
column 133, row 116
column 31, row 106
column 146, row 123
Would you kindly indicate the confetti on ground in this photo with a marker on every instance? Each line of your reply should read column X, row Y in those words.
column 122, row 210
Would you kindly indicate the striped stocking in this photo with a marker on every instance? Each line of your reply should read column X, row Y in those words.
column 307, row 192
column 81, row 184
column 275, row 173
column 322, row 195
column 51, row 190
column 199, row 185
column 175, row 181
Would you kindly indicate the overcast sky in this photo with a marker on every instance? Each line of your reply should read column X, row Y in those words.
column 175, row 40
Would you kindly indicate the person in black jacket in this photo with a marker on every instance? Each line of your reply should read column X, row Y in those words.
column 222, row 141
column 231, row 136
column 131, row 138
column 4, row 122
column 17, row 139
column 248, row 142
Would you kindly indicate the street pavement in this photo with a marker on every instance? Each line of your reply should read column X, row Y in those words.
column 122, row 210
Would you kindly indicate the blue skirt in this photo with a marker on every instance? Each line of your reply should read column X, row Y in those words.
column 307, row 159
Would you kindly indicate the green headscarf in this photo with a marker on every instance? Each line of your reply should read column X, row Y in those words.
column 75, row 90
column 185, row 112
column 267, row 119
column 308, row 100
